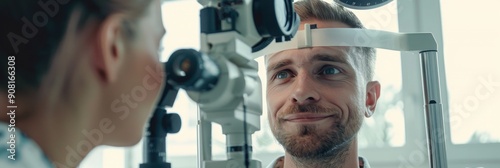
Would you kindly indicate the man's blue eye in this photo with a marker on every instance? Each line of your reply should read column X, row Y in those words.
column 282, row 75
column 330, row 71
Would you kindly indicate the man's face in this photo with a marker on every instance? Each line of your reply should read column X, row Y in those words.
column 315, row 98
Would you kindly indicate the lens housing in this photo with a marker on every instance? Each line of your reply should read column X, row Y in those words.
column 191, row 70
column 275, row 18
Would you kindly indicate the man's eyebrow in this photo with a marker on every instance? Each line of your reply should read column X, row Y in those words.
column 329, row 58
column 278, row 65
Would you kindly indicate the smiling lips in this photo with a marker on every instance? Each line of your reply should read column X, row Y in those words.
column 306, row 117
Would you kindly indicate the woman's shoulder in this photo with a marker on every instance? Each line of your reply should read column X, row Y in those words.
column 18, row 150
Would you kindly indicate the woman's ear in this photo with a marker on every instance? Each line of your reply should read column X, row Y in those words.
column 109, row 45
column 372, row 95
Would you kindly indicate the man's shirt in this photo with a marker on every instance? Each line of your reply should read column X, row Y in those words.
column 19, row 151
column 278, row 163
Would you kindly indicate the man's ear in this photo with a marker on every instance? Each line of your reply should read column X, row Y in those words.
column 372, row 95
column 108, row 56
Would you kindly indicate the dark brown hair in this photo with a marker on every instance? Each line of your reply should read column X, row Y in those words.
column 31, row 30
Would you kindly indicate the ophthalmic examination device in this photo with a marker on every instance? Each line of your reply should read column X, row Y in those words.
column 222, row 76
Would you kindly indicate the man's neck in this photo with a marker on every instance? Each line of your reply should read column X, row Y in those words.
column 344, row 158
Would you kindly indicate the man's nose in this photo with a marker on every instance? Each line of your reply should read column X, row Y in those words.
column 305, row 91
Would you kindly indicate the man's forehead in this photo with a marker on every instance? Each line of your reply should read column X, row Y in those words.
column 306, row 54
column 341, row 51
column 323, row 24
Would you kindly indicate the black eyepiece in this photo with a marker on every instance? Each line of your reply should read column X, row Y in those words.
column 191, row 70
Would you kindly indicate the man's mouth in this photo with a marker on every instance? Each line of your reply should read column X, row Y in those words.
column 307, row 117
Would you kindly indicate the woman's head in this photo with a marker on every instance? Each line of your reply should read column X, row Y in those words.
column 90, row 61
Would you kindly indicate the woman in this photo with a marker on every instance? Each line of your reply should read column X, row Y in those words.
column 82, row 73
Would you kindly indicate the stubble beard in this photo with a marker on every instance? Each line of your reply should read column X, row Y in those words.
column 309, row 144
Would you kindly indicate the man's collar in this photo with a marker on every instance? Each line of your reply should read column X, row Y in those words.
column 279, row 163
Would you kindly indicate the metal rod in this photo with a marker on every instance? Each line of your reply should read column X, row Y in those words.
column 433, row 110
column 204, row 141
column 155, row 142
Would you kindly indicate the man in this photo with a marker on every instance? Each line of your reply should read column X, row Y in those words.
column 86, row 74
column 318, row 97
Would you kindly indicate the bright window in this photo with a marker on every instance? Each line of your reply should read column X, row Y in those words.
column 471, row 37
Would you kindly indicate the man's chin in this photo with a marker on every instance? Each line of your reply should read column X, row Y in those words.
column 302, row 146
column 301, row 142
column 309, row 141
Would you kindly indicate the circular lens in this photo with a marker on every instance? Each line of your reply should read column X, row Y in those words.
column 185, row 65
column 182, row 67
column 362, row 4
